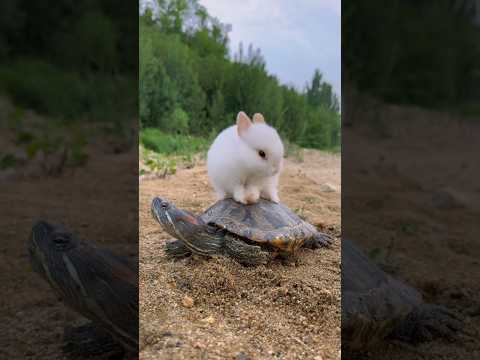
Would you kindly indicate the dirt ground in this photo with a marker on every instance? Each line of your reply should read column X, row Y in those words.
column 276, row 311
column 32, row 317
column 404, row 200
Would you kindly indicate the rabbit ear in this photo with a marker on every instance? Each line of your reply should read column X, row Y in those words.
column 243, row 123
column 258, row 119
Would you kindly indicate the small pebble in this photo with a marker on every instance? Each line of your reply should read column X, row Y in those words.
column 187, row 301
column 209, row 320
column 242, row 356
column 198, row 345
column 328, row 188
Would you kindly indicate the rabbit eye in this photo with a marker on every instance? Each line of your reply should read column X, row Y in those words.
column 262, row 154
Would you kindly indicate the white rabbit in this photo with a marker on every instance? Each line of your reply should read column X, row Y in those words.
column 245, row 161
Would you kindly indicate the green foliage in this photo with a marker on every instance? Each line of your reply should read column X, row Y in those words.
column 15, row 120
column 168, row 83
column 69, row 63
column 322, row 131
column 37, row 84
column 158, row 163
column 47, row 136
column 7, row 161
column 164, row 143
column 78, row 154
column 294, row 151
column 320, row 93
column 90, row 43
column 428, row 53
column 178, row 121
column 40, row 85
column 189, row 85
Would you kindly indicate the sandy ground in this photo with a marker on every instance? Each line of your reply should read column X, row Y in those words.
column 32, row 317
column 276, row 311
column 416, row 205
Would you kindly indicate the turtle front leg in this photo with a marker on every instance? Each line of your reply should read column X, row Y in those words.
column 177, row 249
column 205, row 241
column 427, row 322
column 244, row 253
column 88, row 341
column 318, row 240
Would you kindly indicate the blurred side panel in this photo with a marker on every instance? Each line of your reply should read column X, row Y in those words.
column 68, row 157
column 410, row 179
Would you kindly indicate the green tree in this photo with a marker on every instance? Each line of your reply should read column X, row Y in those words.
column 320, row 93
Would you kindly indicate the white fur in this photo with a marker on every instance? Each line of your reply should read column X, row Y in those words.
column 236, row 169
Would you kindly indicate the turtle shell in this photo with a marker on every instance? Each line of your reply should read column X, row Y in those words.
column 373, row 303
column 264, row 222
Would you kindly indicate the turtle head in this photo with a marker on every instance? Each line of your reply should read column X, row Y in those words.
column 91, row 281
column 47, row 246
column 178, row 223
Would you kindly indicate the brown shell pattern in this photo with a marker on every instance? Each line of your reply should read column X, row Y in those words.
column 263, row 222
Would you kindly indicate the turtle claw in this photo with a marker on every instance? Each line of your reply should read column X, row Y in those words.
column 176, row 249
column 428, row 322
column 318, row 241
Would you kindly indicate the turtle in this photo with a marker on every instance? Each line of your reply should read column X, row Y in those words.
column 251, row 234
column 93, row 282
column 377, row 307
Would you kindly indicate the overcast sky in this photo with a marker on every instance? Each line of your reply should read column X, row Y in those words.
column 295, row 37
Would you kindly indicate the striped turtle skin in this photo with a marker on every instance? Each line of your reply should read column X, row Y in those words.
column 92, row 281
column 248, row 233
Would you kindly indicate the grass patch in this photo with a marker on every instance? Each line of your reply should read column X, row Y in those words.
column 292, row 150
column 172, row 144
column 39, row 85
column 157, row 163
column 7, row 161
column 31, row 135
column 335, row 150
column 163, row 152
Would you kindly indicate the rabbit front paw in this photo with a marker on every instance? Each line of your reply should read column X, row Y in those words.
column 239, row 195
column 270, row 194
